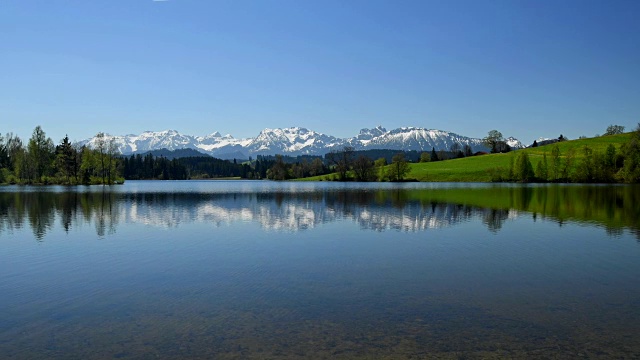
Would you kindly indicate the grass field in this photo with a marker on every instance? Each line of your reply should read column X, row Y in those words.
column 479, row 168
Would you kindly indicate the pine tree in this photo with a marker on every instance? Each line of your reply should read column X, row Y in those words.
column 434, row 156
column 523, row 168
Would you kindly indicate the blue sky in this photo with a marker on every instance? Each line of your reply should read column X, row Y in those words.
column 526, row 68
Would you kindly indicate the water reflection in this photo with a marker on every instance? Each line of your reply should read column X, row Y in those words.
column 167, row 285
column 42, row 209
column 615, row 208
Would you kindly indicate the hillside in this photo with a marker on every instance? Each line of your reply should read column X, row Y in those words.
column 480, row 168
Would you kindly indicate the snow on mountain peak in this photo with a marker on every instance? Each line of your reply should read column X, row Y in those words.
column 514, row 143
column 298, row 141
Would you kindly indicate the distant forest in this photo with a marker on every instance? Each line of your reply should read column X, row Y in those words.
column 167, row 165
column 147, row 167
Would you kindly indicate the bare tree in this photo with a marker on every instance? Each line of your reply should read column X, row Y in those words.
column 279, row 169
column 467, row 150
column 342, row 161
column 363, row 168
column 317, row 167
column 101, row 148
column 455, row 147
column 112, row 152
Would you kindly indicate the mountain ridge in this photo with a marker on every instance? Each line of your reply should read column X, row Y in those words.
column 295, row 141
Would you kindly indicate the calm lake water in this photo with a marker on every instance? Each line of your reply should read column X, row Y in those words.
column 243, row 269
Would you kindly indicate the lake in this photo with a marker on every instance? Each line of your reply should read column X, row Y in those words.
column 257, row 269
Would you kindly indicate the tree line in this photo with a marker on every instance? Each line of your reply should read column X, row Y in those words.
column 584, row 165
column 348, row 164
column 40, row 161
column 148, row 167
column 342, row 165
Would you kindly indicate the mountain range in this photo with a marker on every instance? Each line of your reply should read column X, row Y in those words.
column 295, row 141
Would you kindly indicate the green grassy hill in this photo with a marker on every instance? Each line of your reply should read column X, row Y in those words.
column 480, row 168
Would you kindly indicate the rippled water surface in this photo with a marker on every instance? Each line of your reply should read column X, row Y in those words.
column 244, row 269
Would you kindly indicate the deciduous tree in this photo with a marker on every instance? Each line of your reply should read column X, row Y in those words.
column 40, row 153
column 614, row 130
column 363, row 168
column 542, row 169
column 399, row 167
column 555, row 163
column 492, row 140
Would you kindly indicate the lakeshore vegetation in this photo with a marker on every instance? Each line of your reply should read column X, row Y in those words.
column 40, row 162
column 611, row 158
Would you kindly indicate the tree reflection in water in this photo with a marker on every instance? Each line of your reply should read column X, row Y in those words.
column 614, row 207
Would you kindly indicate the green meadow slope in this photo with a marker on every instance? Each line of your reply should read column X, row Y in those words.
column 480, row 168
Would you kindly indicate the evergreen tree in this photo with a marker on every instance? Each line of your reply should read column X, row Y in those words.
column 523, row 168
column 434, row 156
column 66, row 159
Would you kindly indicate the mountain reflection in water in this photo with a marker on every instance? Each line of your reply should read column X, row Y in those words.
column 615, row 208
column 242, row 269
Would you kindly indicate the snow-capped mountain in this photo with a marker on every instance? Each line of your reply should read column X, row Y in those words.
column 514, row 143
column 411, row 138
column 295, row 141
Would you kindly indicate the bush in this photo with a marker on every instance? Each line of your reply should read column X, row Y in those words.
column 498, row 174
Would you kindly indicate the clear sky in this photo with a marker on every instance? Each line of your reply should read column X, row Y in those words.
column 526, row 68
